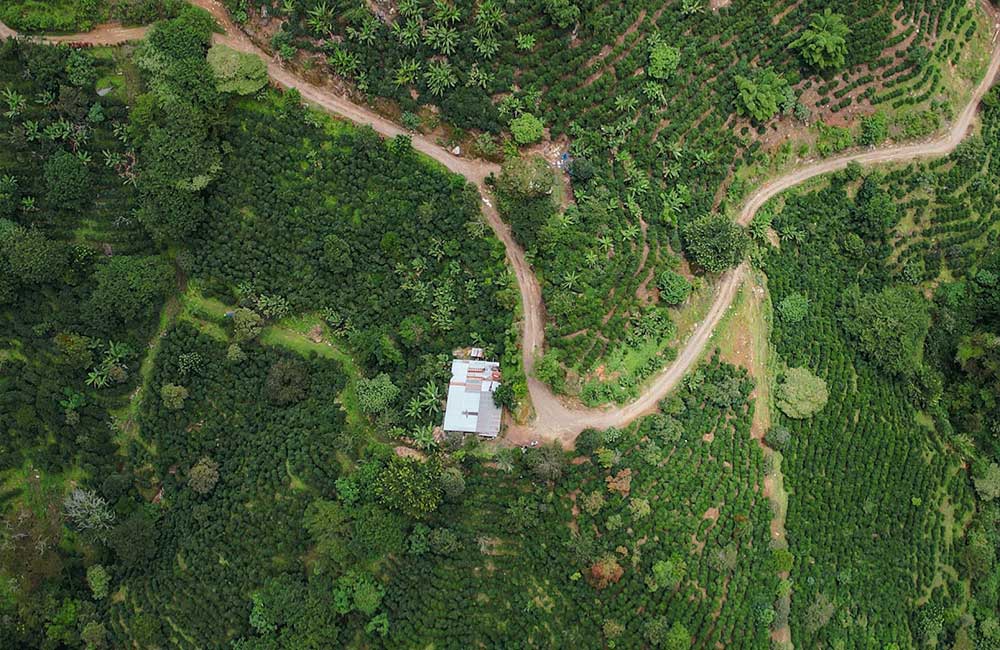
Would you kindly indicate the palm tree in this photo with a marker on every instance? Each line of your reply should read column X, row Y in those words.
column 478, row 77
column 570, row 281
column 408, row 33
column 441, row 38
column 423, row 437
column 568, row 218
column 703, row 157
column 413, row 408
column 15, row 102
column 31, row 130
column 504, row 461
column 120, row 130
column 654, row 92
column 320, row 18
column 525, row 42
column 117, row 352
column 407, row 72
column 112, row 158
column 367, row 33
column 410, row 9
column 439, row 77
column 489, row 17
column 59, row 130
column 430, row 398
column 629, row 232
column 626, row 104
column 98, row 378
column 824, row 43
column 445, row 12
column 487, row 46
column 691, row 7
column 343, row 62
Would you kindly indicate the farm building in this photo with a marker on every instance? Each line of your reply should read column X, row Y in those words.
column 470, row 407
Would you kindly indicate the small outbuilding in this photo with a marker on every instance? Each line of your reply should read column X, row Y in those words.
column 470, row 407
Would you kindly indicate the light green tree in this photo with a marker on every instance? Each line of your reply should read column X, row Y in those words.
column 376, row 395
column 440, row 76
column 237, row 72
column 526, row 128
column 801, row 394
column 98, row 581
column 663, row 60
column 824, row 43
column 760, row 94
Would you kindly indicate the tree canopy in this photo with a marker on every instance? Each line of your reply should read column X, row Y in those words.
column 716, row 242
column 890, row 326
column 237, row 72
column 761, row 93
column 801, row 393
column 823, row 43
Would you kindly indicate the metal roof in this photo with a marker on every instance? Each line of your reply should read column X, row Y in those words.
column 470, row 407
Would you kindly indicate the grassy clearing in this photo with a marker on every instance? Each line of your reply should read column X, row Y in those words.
column 44, row 485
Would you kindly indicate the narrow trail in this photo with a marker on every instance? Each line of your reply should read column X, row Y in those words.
column 554, row 419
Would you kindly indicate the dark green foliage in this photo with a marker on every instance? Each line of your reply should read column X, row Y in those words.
column 377, row 395
column 800, row 393
column 287, row 615
column 180, row 153
column 674, row 287
column 777, row 437
column 134, row 541
column 526, row 128
column 129, row 288
column 512, row 536
column 410, row 232
column 875, row 211
column 287, row 382
column 188, row 33
column 30, row 257
column 761, row 93
column 890, row 327
column 715, row 242
column 874, row 129
column 251, row 513
column 862, row 464
column 67, row 181
column 83, row 15
column 410, row 486
column 793, row 307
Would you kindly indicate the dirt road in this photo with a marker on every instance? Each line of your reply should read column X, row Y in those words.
column 554, row 419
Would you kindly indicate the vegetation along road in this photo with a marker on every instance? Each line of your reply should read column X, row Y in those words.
column 555, row 419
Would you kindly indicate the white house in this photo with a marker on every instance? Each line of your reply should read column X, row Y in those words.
column 470, row 407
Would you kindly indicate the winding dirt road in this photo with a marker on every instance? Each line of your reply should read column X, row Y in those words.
column 554, row 419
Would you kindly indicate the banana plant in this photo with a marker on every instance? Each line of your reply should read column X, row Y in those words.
column 15, row 102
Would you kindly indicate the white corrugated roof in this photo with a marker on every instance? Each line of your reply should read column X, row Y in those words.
column 470, row 407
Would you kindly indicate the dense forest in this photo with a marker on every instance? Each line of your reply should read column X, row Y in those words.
column 227, row 321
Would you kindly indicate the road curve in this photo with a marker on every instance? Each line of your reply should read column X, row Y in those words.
column 554, row 418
